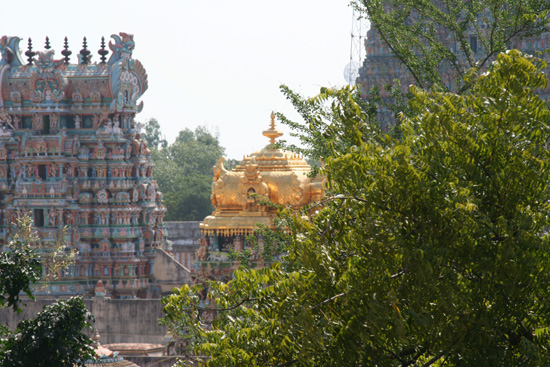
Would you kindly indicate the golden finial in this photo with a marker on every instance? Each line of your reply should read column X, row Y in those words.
column 272, row 133
column 272, row 120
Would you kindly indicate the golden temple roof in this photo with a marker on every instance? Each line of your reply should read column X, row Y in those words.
column 270, row 173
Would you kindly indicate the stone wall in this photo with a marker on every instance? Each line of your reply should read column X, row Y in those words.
column 169, row 273
column 118, row 321
column 185, row 238
column 153, row 361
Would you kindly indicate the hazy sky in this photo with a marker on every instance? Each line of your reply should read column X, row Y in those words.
column 217, row 63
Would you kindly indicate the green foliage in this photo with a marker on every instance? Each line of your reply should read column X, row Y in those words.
column 19, row 268
column 183, row 171
column 274, row 243
column 153, row 136
column 330, row 112
column 248, row 306
column 432, row 42
column 412, row 30
column 431, row 249
column 189, row 199
column 54, row 256
column 270, row 245
column 53, row 338
column 243, row 257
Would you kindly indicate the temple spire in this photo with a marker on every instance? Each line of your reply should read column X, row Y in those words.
column 66, row 52
column 30, row 53
column 272, row 133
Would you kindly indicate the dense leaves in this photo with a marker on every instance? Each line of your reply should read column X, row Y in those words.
column 54, row 338
column 153, row 135
column 431, row 249
column 413, row 29
column 318, row 139
column 183, row 171
column 19, row 268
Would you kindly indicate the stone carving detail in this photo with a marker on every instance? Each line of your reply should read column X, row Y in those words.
column 46, row 81
column 95, row 96
column 99, row 151
column 102, row 196
column 37, row 122
column 16, row 98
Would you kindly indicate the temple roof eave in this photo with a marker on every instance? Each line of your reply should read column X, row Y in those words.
column 235, row 225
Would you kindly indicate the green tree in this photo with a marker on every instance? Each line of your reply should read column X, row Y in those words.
column 431, row 250
column 183, row 171
column 318, row 140
column 54, row 338
column 413, row 30
column 19, row 268
column 153, row 136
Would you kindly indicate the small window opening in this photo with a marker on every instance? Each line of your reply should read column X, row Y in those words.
column 39, row 217
column 68, row 122
column 42, row 171
column 473, row 43
column 46, row 124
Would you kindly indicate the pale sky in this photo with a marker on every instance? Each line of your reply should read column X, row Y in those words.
column 217, row 63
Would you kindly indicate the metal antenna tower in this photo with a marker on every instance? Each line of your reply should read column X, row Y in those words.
column 359, row 28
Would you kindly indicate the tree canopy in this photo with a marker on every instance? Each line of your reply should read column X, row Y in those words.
column 430, row 36
column 183, row 171
column 430, row 250
column 153, row 135
column 55, row 337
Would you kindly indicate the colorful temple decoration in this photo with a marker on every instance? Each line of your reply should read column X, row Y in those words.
column 271, row 173
column 380, row 68
column 71, row 155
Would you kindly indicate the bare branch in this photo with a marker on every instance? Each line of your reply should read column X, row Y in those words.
column 228, row 308
column 328, row 300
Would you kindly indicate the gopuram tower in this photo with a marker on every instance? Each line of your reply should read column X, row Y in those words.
column 71, row 155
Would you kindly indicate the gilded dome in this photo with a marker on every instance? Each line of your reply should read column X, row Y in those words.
column 270, row 173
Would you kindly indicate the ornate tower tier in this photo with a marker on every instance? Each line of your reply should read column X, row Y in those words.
column 71, row 155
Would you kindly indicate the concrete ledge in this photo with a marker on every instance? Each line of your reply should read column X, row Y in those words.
column 153, row 361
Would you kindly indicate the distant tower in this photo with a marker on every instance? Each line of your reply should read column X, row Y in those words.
column 359, row 28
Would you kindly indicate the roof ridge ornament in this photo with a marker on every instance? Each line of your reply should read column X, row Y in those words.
column 30, row 53
column 272, row 133
column 66, row 52
column 102, row 51
column 84, row 55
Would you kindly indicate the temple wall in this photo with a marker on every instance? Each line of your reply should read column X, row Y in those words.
column 127, row 320
column 185, row 238
column 154, row 361
column 169, row 273
column 117, row 320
